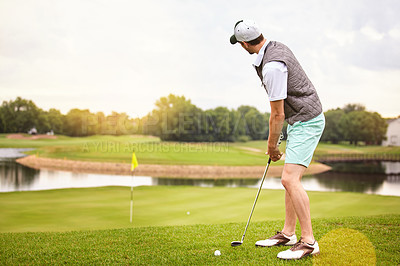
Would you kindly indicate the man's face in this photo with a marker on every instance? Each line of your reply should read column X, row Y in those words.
column 247, row 47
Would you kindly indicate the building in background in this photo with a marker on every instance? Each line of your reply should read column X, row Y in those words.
column 393, row 133
column 32, row 131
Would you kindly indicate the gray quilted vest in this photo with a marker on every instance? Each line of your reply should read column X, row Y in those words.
column 302, row 102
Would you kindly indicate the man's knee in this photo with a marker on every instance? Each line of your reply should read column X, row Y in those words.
column 286, row 181
column 291, row 175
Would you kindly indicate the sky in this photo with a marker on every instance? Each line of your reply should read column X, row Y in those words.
column 123, row 55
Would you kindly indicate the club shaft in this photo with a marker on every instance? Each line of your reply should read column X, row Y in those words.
column 255, row 200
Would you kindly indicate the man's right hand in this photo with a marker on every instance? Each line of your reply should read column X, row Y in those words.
column 274, row 153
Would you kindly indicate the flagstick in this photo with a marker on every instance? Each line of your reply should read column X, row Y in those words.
column 134, row 164
column 133, row 172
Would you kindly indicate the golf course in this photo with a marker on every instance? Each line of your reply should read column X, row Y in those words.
column 183, row 225
column 199, row 133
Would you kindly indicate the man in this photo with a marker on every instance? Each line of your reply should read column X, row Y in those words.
column 293, row 98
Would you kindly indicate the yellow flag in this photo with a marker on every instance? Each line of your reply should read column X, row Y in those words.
column 134, row 161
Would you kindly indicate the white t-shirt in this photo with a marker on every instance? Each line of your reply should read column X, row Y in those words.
column 275, row 75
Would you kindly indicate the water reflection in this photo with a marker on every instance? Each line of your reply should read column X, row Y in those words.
column 374, row 177
column 16, row 177
column 391, row 168
column 360, row 167
column 350, row 182
column 366, row 167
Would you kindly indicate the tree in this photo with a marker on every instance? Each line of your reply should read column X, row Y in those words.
column 257, row 124
column 379, row 128
column 43, row 124
column 252, row 122
column 221, row 123
column 333, row 131
column 350, row 107
column 115, row 124
column 80, row 123
column 363, row 126
column 55, row 118
column 353, row 126
column 19, row 115
column 174, row 118
column 2, row 121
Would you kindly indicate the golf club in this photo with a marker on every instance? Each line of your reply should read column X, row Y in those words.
column 238, row 243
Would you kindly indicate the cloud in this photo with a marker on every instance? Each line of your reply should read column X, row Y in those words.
column 371, row 33
column 365, row 34
column 124, row 55
column 341, row 37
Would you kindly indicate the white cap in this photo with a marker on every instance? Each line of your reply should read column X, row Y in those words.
column 245, row 31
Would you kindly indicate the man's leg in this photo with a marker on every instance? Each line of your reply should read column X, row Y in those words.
column 292, row 172
column 303, row 138
column 290, row 216
column 287, row 236
column 291, row 177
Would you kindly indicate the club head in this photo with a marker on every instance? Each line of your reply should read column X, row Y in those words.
column 236, row 243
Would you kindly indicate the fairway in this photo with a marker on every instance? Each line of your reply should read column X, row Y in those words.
column 151, row 150
column 108, row 207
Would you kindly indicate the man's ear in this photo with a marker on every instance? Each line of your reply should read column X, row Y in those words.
column 244, row 45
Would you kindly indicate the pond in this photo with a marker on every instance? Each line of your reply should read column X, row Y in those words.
column 382, row 178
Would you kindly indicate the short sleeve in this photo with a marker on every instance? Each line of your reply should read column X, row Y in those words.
column 275, row 80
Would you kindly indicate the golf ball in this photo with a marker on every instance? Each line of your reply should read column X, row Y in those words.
column 217, row 253
column 188, row 213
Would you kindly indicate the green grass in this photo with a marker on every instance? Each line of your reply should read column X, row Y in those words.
column 151, row 150
column 91, row 226
column 195, row 244
column 108, row 207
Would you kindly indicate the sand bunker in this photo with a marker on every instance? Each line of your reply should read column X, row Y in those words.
column 188, row 171
column 22, row 136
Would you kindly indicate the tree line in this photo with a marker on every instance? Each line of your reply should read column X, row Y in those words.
column 176, row 118
column 354, row 124
column 21, row 115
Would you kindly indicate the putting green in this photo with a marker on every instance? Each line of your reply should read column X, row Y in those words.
column 109, row 207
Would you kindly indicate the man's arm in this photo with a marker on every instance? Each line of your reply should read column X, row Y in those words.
column 275, row 128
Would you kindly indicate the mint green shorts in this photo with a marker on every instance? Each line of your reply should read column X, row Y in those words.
column 303, row 138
